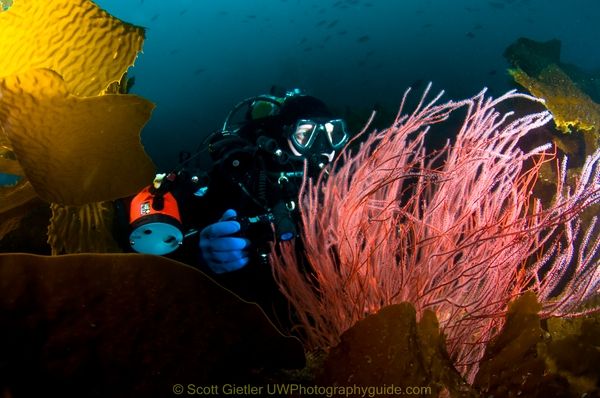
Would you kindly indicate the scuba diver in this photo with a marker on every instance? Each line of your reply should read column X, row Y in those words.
column 225, row 221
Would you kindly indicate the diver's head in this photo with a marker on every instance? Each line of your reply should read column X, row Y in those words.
column 297, row 124
column 310, row 129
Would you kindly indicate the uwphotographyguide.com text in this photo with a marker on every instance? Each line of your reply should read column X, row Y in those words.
column 299, row 389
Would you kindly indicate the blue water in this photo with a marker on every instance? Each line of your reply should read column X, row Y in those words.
column 201, row 57
column 8, row 179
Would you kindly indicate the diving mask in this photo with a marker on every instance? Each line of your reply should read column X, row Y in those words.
column 306, row 132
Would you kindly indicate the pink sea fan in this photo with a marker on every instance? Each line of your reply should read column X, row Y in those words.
column 454, row 230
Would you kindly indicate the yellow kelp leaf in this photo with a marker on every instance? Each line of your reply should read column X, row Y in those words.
column 4, row 141
column 75, row 150
column 570, row 106
column 82, row 229
column 9, row 163
column 5, row 4
column 24, row 228
column 13, row 196
column 9, row 223
column 86, row 45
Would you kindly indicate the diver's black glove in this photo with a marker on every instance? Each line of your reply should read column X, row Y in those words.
column 221, row 251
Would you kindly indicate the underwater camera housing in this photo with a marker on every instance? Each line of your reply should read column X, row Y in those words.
column 237, row 158
column 275, row 226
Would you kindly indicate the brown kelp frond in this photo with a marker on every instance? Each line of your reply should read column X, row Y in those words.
column 82, row 229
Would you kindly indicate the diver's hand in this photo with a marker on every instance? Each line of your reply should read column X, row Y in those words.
column 221, row 251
